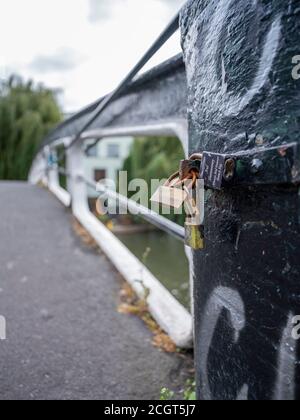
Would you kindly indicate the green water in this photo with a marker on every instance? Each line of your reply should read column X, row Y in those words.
column 166, row 260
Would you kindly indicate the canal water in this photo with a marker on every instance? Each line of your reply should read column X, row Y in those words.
column 165, row 257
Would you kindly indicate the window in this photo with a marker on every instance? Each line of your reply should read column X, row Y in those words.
column 92, row 151
column 113, row 151
column 100, row 174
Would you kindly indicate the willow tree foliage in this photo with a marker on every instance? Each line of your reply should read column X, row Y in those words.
column 27, row 113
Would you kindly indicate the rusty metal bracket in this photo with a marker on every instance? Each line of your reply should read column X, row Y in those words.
column 260, row 166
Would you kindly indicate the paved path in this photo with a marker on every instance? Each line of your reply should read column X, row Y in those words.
column 65, row 339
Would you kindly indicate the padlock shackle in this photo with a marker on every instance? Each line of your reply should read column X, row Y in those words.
column 196, row 156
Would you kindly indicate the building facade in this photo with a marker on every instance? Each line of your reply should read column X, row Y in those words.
column 105, row 159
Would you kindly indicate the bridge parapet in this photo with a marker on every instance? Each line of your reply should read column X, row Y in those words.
column 153, row 105
column 236, row 89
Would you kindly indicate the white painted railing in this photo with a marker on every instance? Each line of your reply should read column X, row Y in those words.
column 166, row 310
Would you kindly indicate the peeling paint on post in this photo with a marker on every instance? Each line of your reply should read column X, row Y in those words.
column 242, row 95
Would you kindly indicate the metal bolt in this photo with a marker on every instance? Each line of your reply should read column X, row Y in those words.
column 256, row 166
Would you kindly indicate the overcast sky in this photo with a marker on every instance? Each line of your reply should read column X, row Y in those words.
column 84, row 47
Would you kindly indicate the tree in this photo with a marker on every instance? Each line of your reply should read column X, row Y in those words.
column 27, row 113
column 155, row 158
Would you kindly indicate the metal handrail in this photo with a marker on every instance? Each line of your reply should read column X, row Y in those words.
column 107, row 100
column 151, row 216
column 162, row 39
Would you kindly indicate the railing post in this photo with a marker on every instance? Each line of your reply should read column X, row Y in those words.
column 38, row 171
column 51, row 179
column 242, row 96
column 52, row 169
column 76, row 184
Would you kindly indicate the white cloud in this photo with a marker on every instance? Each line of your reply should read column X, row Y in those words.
column 55, row 42
column 100, row 10
column 103, row 9
column 64, row 59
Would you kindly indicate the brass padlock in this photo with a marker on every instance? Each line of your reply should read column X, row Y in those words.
column 170, row 196
column 194, row 225
column 194, row 235
column 172, row 193
column 187, row 189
